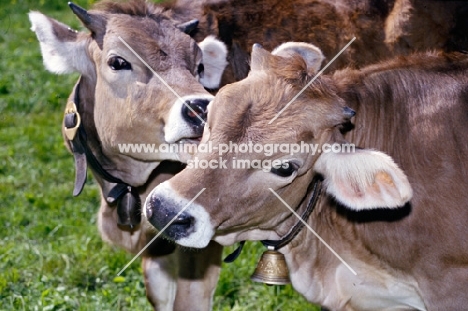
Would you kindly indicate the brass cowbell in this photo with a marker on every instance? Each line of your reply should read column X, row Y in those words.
column 271, row 269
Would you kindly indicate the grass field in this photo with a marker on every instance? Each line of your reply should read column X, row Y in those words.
column 51, row 255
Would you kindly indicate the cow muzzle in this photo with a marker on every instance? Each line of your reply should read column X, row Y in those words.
column 179, row 219
column 174, row 225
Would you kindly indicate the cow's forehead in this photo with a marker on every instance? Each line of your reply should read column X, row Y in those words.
column 243, row 110
column 149, row 36
column 161, row 30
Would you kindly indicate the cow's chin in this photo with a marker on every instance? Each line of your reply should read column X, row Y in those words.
column 150, row 161
column 196, row 239
column 226, row 240
column 192, row 140
column 251, row 235
column 187, row 149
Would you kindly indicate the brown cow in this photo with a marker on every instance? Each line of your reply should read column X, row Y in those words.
column 406, row 255
column 129, row 167
column 119, row 100
column 383, row 28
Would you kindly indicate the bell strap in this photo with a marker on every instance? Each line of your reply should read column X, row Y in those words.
column 76, row 136
column 315, row 186
column 71, row 124
column 233, row 256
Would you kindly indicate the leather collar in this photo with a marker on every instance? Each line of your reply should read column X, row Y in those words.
column 123, row 195
column 315, row 187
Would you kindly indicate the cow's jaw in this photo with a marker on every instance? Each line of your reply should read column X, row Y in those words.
column 181, row 220
column 189, row 223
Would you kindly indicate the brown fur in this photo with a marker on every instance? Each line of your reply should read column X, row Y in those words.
column 136, row 110
column 161, row 258
column 392, row 101
column 139, row 8
column 383, row 28
column 414, row 109
column 142, row 8
column 415, row 25
column 395, row 104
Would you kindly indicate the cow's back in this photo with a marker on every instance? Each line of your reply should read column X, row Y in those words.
column 327, row 24
column 383, row 28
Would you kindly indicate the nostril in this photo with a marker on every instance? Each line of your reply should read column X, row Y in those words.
column 184, row 221
column 195, row 112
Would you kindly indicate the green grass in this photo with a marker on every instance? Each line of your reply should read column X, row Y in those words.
column 51, row 255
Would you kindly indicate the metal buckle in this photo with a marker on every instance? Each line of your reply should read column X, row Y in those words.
column 71, row 120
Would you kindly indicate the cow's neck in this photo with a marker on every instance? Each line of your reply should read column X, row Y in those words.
column 133, row 172
column 323, row 278
column 86, row 148
column 309, row 201
column 380, row 117
column 305, row 253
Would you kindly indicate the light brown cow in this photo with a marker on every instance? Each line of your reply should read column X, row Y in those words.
column 403, row 231
column 137, row 168
column 119, row 100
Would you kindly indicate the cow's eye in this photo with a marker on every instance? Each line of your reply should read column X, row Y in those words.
column 200, row 70
column 118, row 63
column 285, row 170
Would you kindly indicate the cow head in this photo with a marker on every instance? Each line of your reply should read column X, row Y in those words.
column 141, row 97
column 238, row 203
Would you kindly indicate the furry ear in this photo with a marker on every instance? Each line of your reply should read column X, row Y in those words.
column 63, row 49
column 364, row 179
column 311, row 54
column 214, row 62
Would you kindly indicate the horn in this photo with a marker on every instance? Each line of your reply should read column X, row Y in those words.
column 189, row 26
column 93, row 21
column 271, row 269
column 257, row 46
column 348, row 112
column 80, row 12
column 259, row 58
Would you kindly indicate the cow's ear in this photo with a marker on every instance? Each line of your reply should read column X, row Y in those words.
column 364, row 179
column 63, row 49
column 214, row 62
column 311, row 54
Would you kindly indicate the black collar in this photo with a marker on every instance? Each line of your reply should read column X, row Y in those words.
column 123, row 195
column 315, row 187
